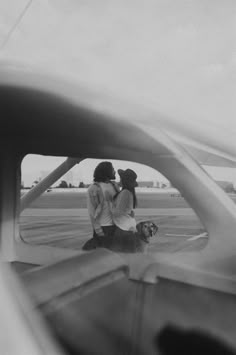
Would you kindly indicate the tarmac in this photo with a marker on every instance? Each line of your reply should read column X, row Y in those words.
column 75, row 212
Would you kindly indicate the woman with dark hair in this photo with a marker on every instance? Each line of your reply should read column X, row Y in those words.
column 122, row 207
column 98, row 206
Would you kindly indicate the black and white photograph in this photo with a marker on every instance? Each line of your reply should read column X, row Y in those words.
column 117, row 177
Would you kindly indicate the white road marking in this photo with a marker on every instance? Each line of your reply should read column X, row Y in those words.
column 202, row 235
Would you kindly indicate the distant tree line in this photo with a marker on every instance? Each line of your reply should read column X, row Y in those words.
column 228, row 187
column 64, row 185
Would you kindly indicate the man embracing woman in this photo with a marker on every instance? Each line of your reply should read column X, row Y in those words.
column 111, row 209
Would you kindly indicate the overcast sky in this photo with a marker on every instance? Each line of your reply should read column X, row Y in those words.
column 178, row 57
column 33, row 166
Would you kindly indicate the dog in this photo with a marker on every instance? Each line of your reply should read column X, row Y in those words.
column 146, row 230
column 130, row 243
column 137, row 242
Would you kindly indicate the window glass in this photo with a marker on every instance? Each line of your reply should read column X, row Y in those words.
column 59, row 217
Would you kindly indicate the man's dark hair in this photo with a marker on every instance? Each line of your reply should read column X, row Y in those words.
column 103, row 172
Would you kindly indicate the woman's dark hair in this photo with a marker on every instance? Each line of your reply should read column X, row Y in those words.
column 103, row 172
column 132, row 190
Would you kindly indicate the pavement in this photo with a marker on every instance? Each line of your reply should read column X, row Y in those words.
column 74, row 212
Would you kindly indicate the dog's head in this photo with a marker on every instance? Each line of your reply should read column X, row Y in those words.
column 146, row 230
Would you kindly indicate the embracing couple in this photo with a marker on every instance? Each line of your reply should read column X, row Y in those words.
column 111, row 208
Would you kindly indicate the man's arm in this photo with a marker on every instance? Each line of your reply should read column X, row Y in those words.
column 95, row 202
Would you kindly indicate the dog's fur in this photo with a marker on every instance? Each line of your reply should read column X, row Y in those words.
column 127, row 244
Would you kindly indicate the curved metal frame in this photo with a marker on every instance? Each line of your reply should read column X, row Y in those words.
column 126, row 140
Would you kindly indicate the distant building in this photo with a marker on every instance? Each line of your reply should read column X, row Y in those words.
column 156, row 184
column 145, row 183
column 227, row 186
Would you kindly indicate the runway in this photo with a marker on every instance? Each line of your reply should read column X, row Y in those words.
column 70, row 228
column 73, row 212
